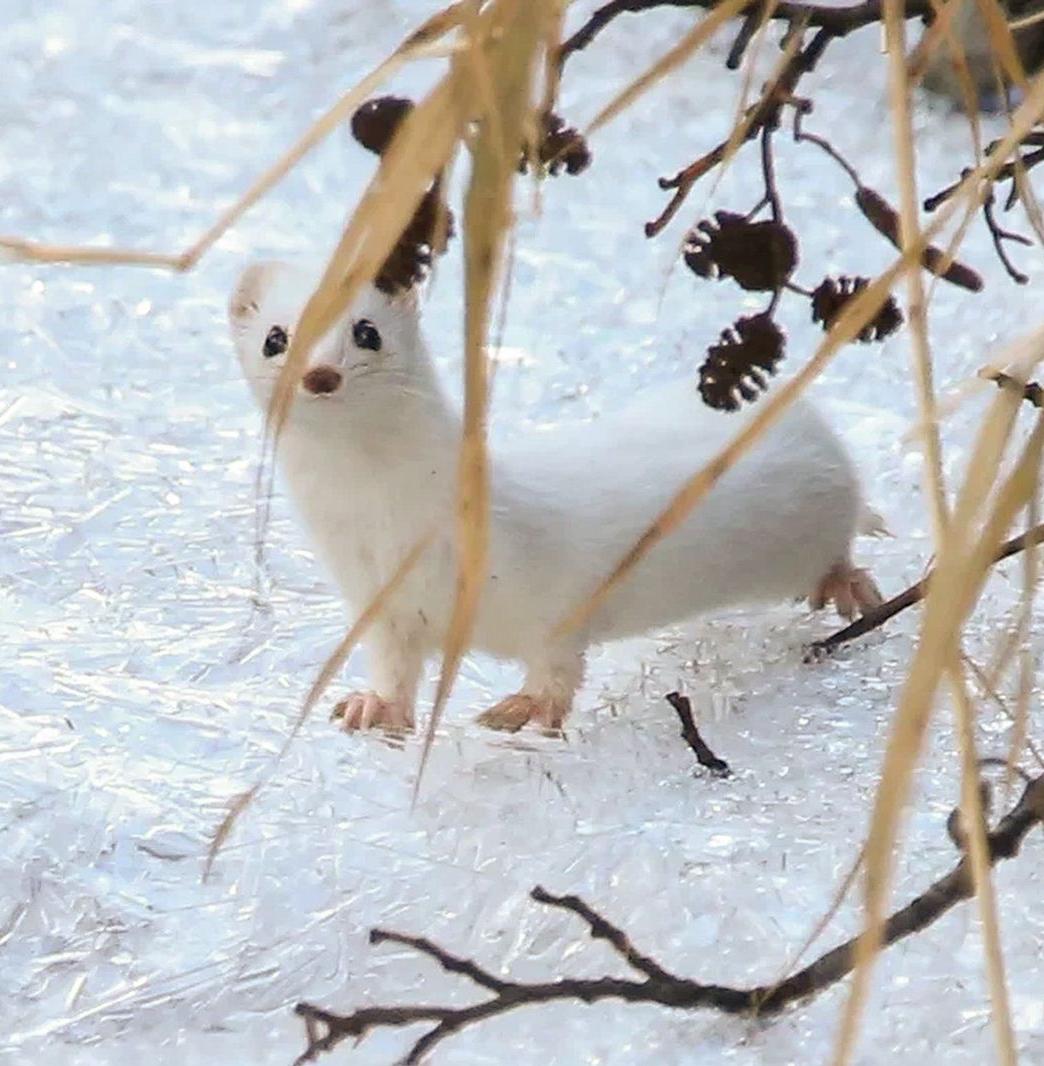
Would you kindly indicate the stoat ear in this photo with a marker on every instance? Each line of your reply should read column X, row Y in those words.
column 406, row 298
column 250, row 288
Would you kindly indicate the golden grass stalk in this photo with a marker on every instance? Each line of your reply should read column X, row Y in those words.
column 330, row 669
column 419, row 43
column 917, row 64
column 521, row 27
column 745, row 118
column 964, row 559
column 1002, row 42
column 855, row 315
column 973, row 818
column 671, row 60
column 418, row 151
column 15, row 249
column 1026, row 20
column 909, row 229
column 740, row 124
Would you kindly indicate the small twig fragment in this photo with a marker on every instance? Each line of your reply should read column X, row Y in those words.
column 691, row 735
column 877, row 616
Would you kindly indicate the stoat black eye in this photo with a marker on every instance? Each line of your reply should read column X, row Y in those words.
column 366, row 335
column 276, row 342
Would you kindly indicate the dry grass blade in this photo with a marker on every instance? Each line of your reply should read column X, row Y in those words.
column 15, row 249
column 963, row 562
column 670, row 61
column 330, row 669
column 417, row 44
column 746, row 116
column 840, row 894
column 1002, row 42
column 942, row 27
column 238, row 805
column 1026, row 20
column 909, row 226
column 856, row 314
column 414, row 46
column 419, row 150
column 973, row 818
column 991, row 693
column 522, row 26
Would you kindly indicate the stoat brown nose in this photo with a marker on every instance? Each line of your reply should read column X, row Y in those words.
column 321, row 380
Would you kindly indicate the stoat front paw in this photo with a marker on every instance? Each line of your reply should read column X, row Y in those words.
column 367, row 710
column 851, row 589
column 511, row 714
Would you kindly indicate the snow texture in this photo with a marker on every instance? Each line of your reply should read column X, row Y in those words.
column 144, row 683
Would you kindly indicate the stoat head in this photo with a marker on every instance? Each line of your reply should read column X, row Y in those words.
column 377, row 344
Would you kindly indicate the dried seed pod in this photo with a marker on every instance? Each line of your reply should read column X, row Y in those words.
column 885, row 219
column 429, row 230
column 831, row 297
column 375, row 122
column 760, row 256
column 738, row 367
column 560, row 146
column 426, row 236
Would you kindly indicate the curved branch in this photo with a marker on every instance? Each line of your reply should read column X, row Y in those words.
column 325, row 1029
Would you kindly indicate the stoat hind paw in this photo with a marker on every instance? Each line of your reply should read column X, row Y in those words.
column 851, row 589
column 367, row 710
column 511, row 714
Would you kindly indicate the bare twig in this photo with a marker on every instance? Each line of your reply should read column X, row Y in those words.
column 325, row 1030
column 691, row 735
column 762, row 115
column 877, row 616
column 999, row 235
column 836, row 21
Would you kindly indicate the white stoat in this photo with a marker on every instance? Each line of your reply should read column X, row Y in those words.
column 370, row 455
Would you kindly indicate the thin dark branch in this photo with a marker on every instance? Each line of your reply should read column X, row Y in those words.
column 739, row 45
column 759, row 116
column 835, row 21
column 325, row 1030
column 691, row 735
column 1006, row 172
column 877, row 616
column 450, row 963
column 999, row 235
column 821, row 142
column 602, row 929
column 768, row 173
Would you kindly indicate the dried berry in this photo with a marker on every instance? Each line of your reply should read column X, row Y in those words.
column 737, row 368
column 760, row 256
column 375, row 122
column 831, row 297
column 560, row 146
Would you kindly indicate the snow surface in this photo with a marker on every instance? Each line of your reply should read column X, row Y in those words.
column 141, row 686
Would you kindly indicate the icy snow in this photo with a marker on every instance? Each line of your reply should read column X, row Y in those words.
column 143, row 683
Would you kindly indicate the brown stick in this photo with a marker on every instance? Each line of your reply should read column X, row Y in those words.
column 325, row 1030
column 877, row 616
column 837, row 21
column 691, row 735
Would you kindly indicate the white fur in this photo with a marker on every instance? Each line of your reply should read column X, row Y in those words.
column 373, row 466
